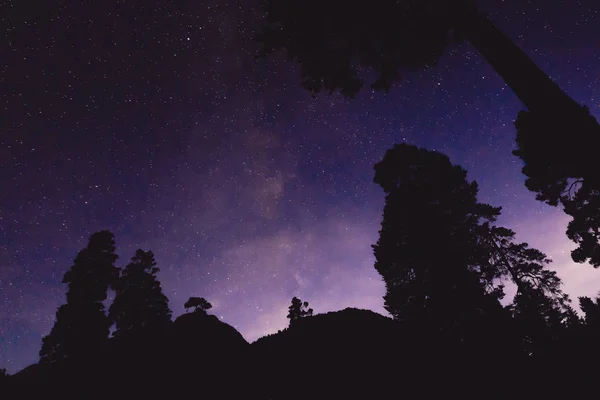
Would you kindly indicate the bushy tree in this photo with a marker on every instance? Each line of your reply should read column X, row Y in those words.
column 139, row 303
column 200, row 304
column 591, row 312
column 562, row 172
column 298, row 310
column 425, row 252
column 443, row 262
column 3, row 375
column 82, row 325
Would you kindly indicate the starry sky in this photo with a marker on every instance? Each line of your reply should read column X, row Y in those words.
column 153, row 119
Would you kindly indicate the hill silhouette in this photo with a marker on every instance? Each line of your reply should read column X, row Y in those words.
column 346, row 354
column 199, row 350
column 342, row 354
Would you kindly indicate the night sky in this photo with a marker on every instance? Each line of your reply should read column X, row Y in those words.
column 153, row 119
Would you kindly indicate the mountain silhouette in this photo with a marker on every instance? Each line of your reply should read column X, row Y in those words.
column 195, row 348
column 346, row 354
column 340, row 353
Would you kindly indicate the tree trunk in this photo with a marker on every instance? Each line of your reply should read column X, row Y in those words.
column 531, row 85
column 556, row 137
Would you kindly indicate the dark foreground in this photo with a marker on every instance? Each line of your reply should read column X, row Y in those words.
column 349, row 354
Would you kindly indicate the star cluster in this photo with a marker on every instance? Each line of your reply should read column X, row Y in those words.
column 154, row 119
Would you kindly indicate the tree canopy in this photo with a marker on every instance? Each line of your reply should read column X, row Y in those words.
column 562, row 171
column 334, row 40
column 425, row 248
column 297, row 310
column 81, row 324
column 200, row 304
column 139, row 303
column 339, row 45
column 442, row 259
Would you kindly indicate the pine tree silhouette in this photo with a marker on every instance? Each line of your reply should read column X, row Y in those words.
column 591, row 311
column 139, row 302
column 81, row 326
column 425, row 250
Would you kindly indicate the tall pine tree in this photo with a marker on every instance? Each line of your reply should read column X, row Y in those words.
column 82, row 326
column 425, row 248
column 139, row 304
column 444, row 262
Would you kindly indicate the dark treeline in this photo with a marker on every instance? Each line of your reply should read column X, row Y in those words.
column 444, row 261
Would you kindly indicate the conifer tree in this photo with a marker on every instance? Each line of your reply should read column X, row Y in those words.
column 139, row 303
column 444, row 262
column 82, row 326
column 425, row 252
column 591, row 312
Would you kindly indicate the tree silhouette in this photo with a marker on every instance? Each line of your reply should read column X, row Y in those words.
column 139, row 302
column 444, row 263
column 297, row 310
column 562, row 171
column 584, row 228
column 426, row 248
column 336, row 41
column 526, row 267
column 200, row 304
column 591, row 311
column 3, row 375
column 540, row 308
column 81, row 325
column 541, row 320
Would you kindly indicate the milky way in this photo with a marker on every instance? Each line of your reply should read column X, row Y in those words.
column 154, row 120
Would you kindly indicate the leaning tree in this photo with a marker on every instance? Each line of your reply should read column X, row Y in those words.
column 336, row 42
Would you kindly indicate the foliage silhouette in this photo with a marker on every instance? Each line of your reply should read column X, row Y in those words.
column 200, row 304
column 333, row 41
column 591, row 311
column 336, row 43
column 563, row 171
column 428, row 233
column 3, row 376
column 539, row 300
column 444, row 264
column 81, row 326
column 139, row 301
column 297, row 310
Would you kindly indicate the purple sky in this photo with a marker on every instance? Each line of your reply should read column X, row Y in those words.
column 165, row 130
